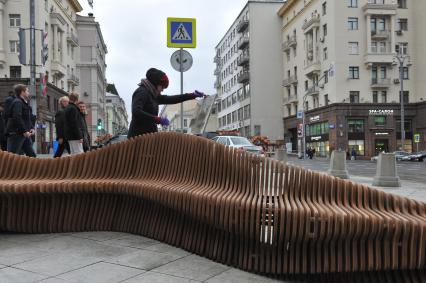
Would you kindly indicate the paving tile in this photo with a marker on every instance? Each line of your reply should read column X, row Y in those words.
column 154, row 277
column 13, row 253
column 167, row 249
column 13, row 275
column 192, row 267
column 52, row 280
column 55, row 264
column 144, row 259
column 238, row 276
column 24, row 238
column 101, row 272
column 100, row 235
column 133, row 241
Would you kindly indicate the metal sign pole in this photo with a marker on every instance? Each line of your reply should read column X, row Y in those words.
column 32, row 87
column 181, row 88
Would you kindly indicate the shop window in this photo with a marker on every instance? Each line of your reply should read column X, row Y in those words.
column 380, row 120
column 355, row 125
column 375, row 97
column 358, row 145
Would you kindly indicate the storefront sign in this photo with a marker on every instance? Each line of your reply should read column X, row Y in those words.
column 380, row 112
column 299, row 114
column 314, row 118
column 317, row 138
column 381, row 134
column 417, row 138
column 331, row 126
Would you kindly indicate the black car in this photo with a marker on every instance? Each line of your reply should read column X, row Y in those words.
column 416, row 156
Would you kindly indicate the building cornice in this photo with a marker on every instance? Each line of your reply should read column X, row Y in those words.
column 286, row 6
column 76, row 5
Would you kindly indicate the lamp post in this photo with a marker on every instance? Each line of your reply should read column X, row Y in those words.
column 311, row 90
column 403, row 60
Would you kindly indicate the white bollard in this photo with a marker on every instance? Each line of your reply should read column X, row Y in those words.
column 338, row 165
column 386, row 175
column 281, row 155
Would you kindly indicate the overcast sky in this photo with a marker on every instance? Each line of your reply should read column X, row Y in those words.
column 135, row 33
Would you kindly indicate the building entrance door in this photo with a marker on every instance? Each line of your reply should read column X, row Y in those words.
column 380, row 146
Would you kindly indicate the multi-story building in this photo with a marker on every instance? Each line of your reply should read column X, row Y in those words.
column 92, row 69
column 340, row 67
column 205, row 116
column 116, row 114
column 173, row 113
column 249, row 72
column 57, row 19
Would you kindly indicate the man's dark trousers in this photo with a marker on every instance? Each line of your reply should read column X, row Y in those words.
column 19, row 144
column 61, row 147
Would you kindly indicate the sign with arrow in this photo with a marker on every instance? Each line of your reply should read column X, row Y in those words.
column 181, row 32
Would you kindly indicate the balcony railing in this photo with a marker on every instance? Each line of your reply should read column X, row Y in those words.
column 244, row 41
column 72, row 38
column 372, row 8
column 314, row 21
column 242, row 25
column 289, row 43
column 243, row 77
column 312, row 68
column 290, row 80
column 217, row 71
column 216, row 59
column 380, row 83
column 243, row 59
column 380, row 34
column 72, row 78
column 312, row 90
column 290, row 99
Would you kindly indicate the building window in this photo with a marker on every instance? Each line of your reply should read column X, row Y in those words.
column 375, row 97
column 15, row 72
column 402, row 24
column 306, row 85
column 317, row 129
column 48, row 102
column 234, row 98
column 325, row 53
column 379, row 120
column 234, row 117
column 14, row 46
column 288, row 110
column 402, row 48
column 352, row 3
column 384, row 96
column 325, row 77
column 324, row 30
column 354, row 72
column 402, row 4
column 352, row 23
column 14, row 20
column 353, row 48
column 324, row 8
column 405, row 74
column 355, row 126
column 354, row 96
column 406, row 97
column 325, row 99
column 358, row 145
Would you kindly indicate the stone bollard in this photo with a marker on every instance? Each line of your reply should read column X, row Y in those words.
column 386, row 175
column 338, row 165
column 281, row 155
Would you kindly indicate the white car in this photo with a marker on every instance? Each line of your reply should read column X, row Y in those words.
column 240, row 143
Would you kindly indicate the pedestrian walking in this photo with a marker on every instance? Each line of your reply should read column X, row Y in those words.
column 60, row 127
column 2, row 130
column 146, row 99
column 73, row 125
column 84, row 129
column 20, row 128
column 353, row 154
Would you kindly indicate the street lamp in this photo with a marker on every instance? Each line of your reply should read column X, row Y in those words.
column 311, row 91
column 403, row 60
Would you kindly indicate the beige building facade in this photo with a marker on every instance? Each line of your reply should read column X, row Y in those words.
column 340, row 66
column 116, row 113
column 249, row 72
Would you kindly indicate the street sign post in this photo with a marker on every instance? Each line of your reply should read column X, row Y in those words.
column 181, row 33
column 417, row 140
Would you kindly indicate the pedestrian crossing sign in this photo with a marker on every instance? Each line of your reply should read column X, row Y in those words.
column 181, row 32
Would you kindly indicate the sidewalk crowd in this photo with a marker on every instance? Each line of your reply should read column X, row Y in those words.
column 17, row 124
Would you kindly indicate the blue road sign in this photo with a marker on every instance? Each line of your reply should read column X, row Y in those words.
column 181, row 32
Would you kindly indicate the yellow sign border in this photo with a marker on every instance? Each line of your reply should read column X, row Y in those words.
column 193, row 44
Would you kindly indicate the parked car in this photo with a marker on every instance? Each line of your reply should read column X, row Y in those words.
column 416, row 156
column 399, row 155
column 240, row 143
column 116, row 139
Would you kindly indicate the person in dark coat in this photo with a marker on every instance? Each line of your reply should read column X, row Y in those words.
column 145, row 101
column 73, row 125
column 19, row 125
column 60, row 127
column 3, row 144
column 84, row 129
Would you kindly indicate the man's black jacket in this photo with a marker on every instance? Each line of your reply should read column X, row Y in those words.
column 19, row 120
column 73, row 123
column 60, row 124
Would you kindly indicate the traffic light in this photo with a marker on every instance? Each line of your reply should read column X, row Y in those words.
column 100, row 126
column 22, row 47
column 44, row 48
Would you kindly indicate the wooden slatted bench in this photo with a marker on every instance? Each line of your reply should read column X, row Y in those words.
column 236, row 208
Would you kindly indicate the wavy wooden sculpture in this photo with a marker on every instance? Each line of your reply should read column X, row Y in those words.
column 233, row 207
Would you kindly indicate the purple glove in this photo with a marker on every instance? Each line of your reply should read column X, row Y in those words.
column 162, row 120
column 197, row 94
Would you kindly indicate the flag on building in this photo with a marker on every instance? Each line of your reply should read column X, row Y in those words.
column 43, row 83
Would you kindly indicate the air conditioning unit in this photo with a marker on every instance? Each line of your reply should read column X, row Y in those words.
column 396, row 81
column 399, row 32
